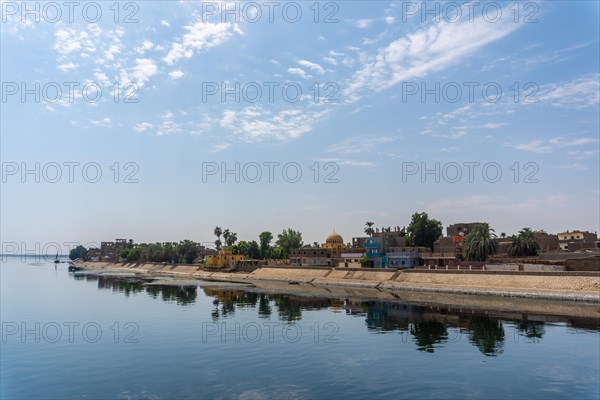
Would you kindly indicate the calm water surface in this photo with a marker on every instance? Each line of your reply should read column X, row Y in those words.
column 87, row 336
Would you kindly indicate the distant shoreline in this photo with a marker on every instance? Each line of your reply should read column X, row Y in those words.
column 579, row 287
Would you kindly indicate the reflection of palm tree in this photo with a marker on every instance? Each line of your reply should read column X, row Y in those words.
column 288, row 311
column 428, row 333
column 183, row 295
column 531, row 330
column 487, row 334
column 228, row 308
column 264, row 307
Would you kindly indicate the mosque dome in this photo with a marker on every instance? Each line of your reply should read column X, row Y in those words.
column 334, row 237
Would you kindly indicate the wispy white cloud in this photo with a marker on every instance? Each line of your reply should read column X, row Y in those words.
column 177, row 74
column 547, row 146
column 201, row 35
column 299, row 72
column 104, row 122
column 144, row 69
column 347, row 162
column 578, row 93
column 583, row 154
column 145, row 46
column 363, row 23
column 315, row 67
column 573, row 166
column 424, row 51
column 533, row 146
column 221, row 147
column 255, row 124
column 360, row 144
column 67, row 66
column 143, row 127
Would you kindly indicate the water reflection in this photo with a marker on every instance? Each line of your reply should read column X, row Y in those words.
column 532, row 330
column 429, row 326
column 429, row 333
column 182, row 295
column 487, row 334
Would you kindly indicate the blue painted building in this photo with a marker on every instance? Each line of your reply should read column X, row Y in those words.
column 380, row 256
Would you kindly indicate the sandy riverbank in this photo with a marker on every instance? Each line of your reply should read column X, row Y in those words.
column 583, row 287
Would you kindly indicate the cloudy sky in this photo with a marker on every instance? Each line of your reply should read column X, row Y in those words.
column 158, row 120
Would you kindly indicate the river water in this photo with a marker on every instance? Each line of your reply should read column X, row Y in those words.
column 67, row 335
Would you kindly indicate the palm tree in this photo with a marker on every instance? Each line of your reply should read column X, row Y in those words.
column 218, row 231
column 231, row 238
column 480, row 243
column 369, row 229
column 524, row 244
column 226, row 235
column 503, row 235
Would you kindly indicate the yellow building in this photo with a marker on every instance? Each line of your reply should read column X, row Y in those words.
column 335, row 244
column 222, row 258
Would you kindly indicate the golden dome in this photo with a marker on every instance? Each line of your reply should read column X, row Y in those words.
column 334, row 237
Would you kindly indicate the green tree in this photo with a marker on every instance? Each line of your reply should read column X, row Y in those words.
column 524, row 244
column 188, row 251
column 287, row 240
column 480, row 243
column 134, row 254
column 369, row 228
column 265, row 244
column 78, row 252
column 423, row 231
column 240, row 248
column 248, row 249
column 277, row 253
column 170, row 252
column 254, row 252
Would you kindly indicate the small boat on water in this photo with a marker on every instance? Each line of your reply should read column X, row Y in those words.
column 56, row 260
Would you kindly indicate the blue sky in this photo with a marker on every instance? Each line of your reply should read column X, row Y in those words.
column 539, row 115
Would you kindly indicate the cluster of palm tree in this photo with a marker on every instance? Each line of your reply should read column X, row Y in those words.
column 480, row 243
column 186, row 251
column 229, row 237
column 523, row 244
column 287, row 240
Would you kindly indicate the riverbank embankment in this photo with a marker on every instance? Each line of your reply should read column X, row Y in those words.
column 573, row 286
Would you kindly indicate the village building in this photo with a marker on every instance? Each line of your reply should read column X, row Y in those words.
column 222, row 259
column 311, row 257
column 577, row 240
